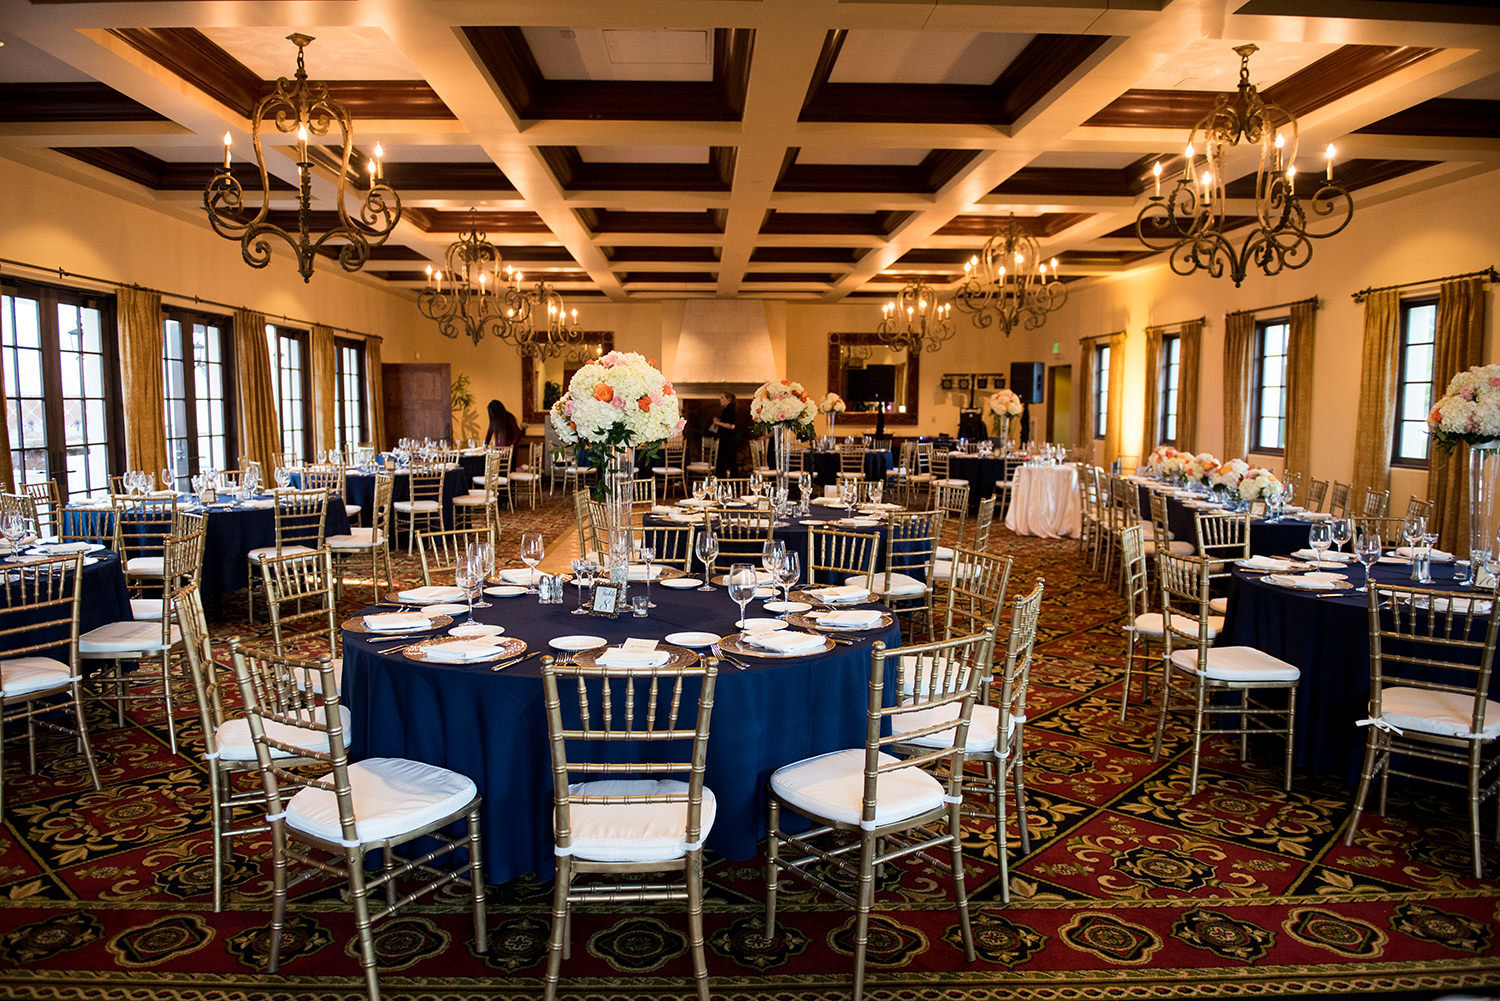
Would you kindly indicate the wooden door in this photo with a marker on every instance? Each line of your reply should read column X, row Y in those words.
column 417, row 401
column 1060, row 403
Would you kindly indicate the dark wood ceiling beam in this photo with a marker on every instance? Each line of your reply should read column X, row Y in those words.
column 70, row 102
column 437, row 221
column 164, row 175
column 667, row 277
column 832, row 223
column 414, row 176
column 1441, row 117
column 676, row 255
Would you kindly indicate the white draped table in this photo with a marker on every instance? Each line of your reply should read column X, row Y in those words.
column 1044, row 502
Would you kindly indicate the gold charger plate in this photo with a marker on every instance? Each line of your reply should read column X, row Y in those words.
column 679, row 656
column 734, row 643
column 356, row 624
column 802, row 619
column 509, row 646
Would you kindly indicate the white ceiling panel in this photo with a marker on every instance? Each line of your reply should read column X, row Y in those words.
column 335, row 54
column 24, row 63
column 623, row 53
column 877, row 56
column 1211, row 64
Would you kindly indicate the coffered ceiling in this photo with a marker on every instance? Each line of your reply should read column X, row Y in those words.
column 794, row 149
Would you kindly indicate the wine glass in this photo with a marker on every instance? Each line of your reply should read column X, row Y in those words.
column 773, row 556
column 1341, row 530
column 790, row 571
column 707, row 548
column 13, row 527
column 1319, row 538
column 1367, row 547
column 584, row 571
column 1412, row 530
column 741, row 580
column 849, row 492
column 483, row 553
column 1429, row 540
column 467, row 575
column 804, row 491
column 646, row 554
column 283, row 477
column 532, row 551
column 877, row 491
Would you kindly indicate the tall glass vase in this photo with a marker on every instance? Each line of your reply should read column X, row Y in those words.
column 781, row 441
column 1484, row 496
column 619, row 492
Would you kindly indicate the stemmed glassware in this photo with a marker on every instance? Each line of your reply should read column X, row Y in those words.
column 1412, row 530
column 467, row 575
column 13, row 527
column 1367, row 547
column 773, row 556
column 533, row 550
column 707, row 548
column 1341, row 530
column 787, row 576
column 849, row 492
column 804, row 491
column 483, row 553
column 1319, row 537
column 876, row 491
column 742, row 583
column 646, row 554
column 283, row 477
column 585, row 570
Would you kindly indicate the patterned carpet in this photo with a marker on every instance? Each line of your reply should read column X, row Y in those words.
column 1131, row 890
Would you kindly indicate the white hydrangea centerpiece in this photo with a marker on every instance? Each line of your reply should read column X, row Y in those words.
column 1259, row 483
column 833, row 403
column 1003, row 404
column 785, row 403
column 616, row 402
column 1469, row 409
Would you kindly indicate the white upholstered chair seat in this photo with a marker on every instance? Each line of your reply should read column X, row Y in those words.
column 900, row 586
column 1237, row 663
column 666, row 470
column 145, row 608
column 315, row 678
column 633, row 832
column 392, row 797
column 526, row 475
column 1153, row 625
column 358, row 538
column 145, row 566
column 265, row 552
column 25, row 675
column 943, row 570
column 984, row 727
column 353, row 510
column 945, row 554
column 1177, row 547
column 1218, row 605
column 234, row 743
column 425, row 506
column 1445, row 714
column 126, row 637
column 470, row 499
column 831, row 785
column 951, row 483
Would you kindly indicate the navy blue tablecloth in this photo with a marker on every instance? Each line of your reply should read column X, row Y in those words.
column 1327, row 638
column 1267, row 538
column 492, row 726
column 104, row 597
column 826, row 465
column 982, row 473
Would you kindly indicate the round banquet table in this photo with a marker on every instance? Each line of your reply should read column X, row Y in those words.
column 826, row 465
column 1044, row 502
column 1267, row 538
column 982, row 472
column 1328, row 639
column 492, row 726
column 104, row 597
column 359, row 488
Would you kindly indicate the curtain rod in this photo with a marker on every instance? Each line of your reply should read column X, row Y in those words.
column 1277, row 305
column 1101, row 337
column 63, row 275
column 1179, row 323
column 1489, row 273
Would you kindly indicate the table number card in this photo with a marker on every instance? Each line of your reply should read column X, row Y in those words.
column 606, row 601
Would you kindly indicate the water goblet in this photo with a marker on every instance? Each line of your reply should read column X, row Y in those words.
column 1367, row 547
column 467, row 576
column 741, row 581
column 484, row 554
column 533, row 549
column 790, row 571
column 707, row 548
column 583, row 576
column 877, row 491
column 773, row 556
column 1341, row 530
column 1319, row 537
column 13, row 527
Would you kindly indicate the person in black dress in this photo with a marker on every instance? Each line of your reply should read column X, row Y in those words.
column 726, row 427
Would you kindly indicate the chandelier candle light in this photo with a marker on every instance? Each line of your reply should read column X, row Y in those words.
column 1190, row 221
column 541, row 324
column 915, row 321
column 466, row 295
column 296, row 106
column 1008, row 283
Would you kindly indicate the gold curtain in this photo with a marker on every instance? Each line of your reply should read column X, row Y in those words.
column 1301, row 341
column 1189, row 345
column 1150, row 433
column 1239, row 346
column 1113, row 419
column 1460, row 342
column 141, row 352
column 7, row 474
column 260, row 434
column 325, row 389
column 1086, row 392
column 1377, row 391
column 375, row 392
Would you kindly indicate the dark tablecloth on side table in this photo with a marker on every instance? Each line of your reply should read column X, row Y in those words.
column 982, row 472
column 359, row 488
column 1267, row 538
column 826, row 465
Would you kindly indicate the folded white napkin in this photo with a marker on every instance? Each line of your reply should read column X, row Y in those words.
column 1461, row 605
column 638, row 571
column 1436, row 554
column 1332, row 556
column 431, row 592
column 64, row 548
column 260, row 504
column 662, row 509
column 1313, row 516
column 828, row 502
column 462, row 651
column 857, row 618
column 784, row 641
column 615, row 657
column 520, row 575
column 1305, row 583
column 30, row 558
column 1265, row 563
column 841, row 594
column 395, row 622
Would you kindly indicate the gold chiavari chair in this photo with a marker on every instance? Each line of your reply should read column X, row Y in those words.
column 1431, row 656
column 39, row 674
column 588, row 527
column 1212, row 670
column 502, row 457
column 331, row 477
column 442, row 551
column 837, row 555
column 423, row 508
column 145, row 525
column 1160, row 535
column 944, row 564
column 708, row 456
column 672, row 467
column 642, row 494
column 1291, row 484
column 852, row 460
column 1091, row 523
column 671, row 544
column 733, row 487
column 1316, row 490
column 374, row 541
column 1142, row 627
column 528, row 478
column 317, row 825
column 906, row 582
column 301, row 516
column 301, row 596
column 758, row 459
column 481, row 506
column 96, row 525
column 1374, row 503
column 182, row 564
column 1416, row 507
column 48, row 508
column 1222, row 538
column 895, row 807
column 620, row 824
column 742, row 534
column 952, row 499
column 1338, row 503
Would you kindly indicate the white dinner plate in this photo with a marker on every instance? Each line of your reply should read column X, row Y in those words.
column 472, row 629
column 680, row 583
column 573, row 644
column 505, row 591
column 786, row 606
column 691, row 640
column 444, row 608
column 752, row 624
column 430, row 595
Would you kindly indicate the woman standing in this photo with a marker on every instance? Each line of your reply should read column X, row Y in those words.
column 503, row 427
column 726, row 428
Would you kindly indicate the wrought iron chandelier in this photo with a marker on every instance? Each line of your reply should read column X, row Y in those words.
column 1190, row 221
column 306, row 109
column 1007, row 282
column 466, row 296
column 541, row 324
column 914, row 321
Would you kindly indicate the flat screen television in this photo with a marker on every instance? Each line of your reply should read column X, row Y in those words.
column 869, row 384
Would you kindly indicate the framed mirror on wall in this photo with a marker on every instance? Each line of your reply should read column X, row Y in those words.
column 870, row 374
column 543, row 380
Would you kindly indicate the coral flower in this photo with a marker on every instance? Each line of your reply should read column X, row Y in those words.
column 644, row 403
column 604, row 392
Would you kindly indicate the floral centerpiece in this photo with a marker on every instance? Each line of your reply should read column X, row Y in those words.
column 1003, row 405
column 832, row 404
column 1469, row 409
column 1156, row 462
column 616, row 402
column 783, row 403
column 1229, row 474
column 1201, row 468
column 1259, row 484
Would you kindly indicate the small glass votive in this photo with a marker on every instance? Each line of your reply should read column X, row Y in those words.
column 638, row 605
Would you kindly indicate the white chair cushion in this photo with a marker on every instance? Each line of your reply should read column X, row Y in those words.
column 901, row 585
column 666, row 470
column 145, row 566
column 914, row 675
column 358, row 538
column 1448, row 714
column 523, row 476
column 234, row 742
column 145, row 608
column 315, row 678
column 944, row 553
column 1219, row 605
column 1237, row 663
column 353, row 510
column 125, row 637
column 265, row 552
column 943, row 570
column 392, row 797
column 699, row 467
column 984, row 726
column 25, row 675
column 1176, row 547
column 832, row 785
column 479, row 482
column 1152, row 624
column 425, row 506
column 470, row 499
column 951, row 483
column 634, row 832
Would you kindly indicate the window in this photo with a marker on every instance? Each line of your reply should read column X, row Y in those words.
column 195, row 380
column 289, row 386
column 349, row 410
column 1171, row 354
column 60, row 371
column 1414, row 381
column 1101, row 390
column 1268, row 387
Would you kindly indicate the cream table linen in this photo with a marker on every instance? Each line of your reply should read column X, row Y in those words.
column 1044, row 502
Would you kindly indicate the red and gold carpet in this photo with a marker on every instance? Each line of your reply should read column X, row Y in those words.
column 1131, row 890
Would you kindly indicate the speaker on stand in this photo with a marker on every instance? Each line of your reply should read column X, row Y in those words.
column 1026, row 382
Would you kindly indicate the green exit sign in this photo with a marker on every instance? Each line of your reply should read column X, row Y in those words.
column 1056, row 348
